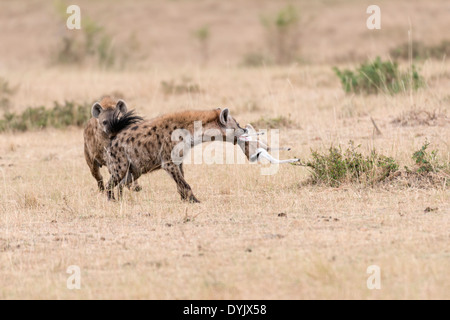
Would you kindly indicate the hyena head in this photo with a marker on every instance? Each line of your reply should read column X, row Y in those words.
column 114, row 120
column 229, row 127
column 106, row 115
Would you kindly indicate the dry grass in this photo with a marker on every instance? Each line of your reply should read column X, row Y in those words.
column 144, row 247
column 236, row 243
column 422, row 118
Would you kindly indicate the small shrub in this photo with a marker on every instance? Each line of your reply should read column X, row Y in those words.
column 106, row 52
column 203, row 35
column 339, row 166
column 418, row 50
column 379, row 76
column 92, row 44
column 428, row 161
column 282, row 34
column 130, row 52
column 60, row 116
column 185, row 86
column 249, row 106
column 274, row 123
column 6, row 92
column 255, row 60
column 440, row 51
column 428, row 171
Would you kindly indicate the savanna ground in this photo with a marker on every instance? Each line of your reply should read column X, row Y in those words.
column 252, row 236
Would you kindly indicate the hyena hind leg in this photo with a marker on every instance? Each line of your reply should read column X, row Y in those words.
column 181, row 169
column 184, row 189
column 110, row 189
column 112, row 183
column 130, row 180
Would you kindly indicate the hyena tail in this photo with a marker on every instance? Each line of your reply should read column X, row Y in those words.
column 118, row 123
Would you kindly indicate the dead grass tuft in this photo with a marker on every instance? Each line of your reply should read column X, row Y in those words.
column 279, row 122
column 421, row 117
column 418, row 180
column 184, row 86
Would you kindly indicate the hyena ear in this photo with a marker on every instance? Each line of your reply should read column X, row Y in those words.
column 121, row 106
column 224, row 116
column 96, row 110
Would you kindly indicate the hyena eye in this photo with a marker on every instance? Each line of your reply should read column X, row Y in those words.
column 105, row 122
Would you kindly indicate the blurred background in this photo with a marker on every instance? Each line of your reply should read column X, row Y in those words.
column 246, row 33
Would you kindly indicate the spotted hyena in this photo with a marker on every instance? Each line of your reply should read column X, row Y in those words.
column 147, row 146
column 96, row 136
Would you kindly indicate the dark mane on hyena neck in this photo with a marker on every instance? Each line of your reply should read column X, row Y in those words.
column 119, row 123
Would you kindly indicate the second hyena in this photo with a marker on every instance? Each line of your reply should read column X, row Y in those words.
column 97, row 137
column 147, row 146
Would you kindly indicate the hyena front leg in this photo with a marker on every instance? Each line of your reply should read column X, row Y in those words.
column 181, row 169
column 114, row 181
column 184, row 189
column 110, row 187
column 118, row 174
column 94, row 166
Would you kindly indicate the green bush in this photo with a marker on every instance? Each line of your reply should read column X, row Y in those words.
column 60, row 116
column 92, row 44
column 6, row 92
column 203, row 36
column 339, row 166
column 282, row 34
column 379, row 76
column 427, row 162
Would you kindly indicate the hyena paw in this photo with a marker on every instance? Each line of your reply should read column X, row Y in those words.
column 193, row 199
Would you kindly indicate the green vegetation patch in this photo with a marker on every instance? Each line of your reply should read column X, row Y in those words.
column 379, row 77
column 60, row 116
column 337, row 166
